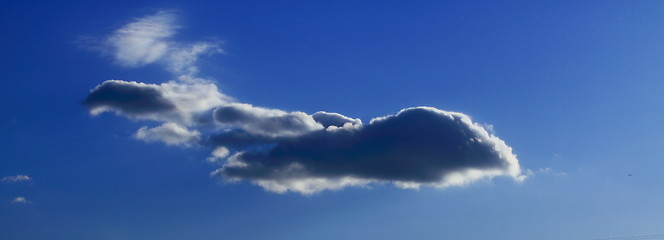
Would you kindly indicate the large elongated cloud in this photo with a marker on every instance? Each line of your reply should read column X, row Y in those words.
column 290, row 151
column 417, row 146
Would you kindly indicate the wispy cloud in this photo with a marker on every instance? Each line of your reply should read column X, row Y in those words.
column 144, row 41
column 16, row 179
column 295, row 151
column 544, row 171
column 149, row 40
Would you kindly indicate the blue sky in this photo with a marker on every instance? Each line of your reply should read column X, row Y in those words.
column 573, row 88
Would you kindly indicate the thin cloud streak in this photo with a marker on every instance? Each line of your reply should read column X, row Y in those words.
column 16, row 179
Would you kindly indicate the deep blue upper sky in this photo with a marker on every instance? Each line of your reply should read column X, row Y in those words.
column 574, row 88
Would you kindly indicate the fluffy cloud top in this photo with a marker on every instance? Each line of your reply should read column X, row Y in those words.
column 335, row 120
column 16, row 179
column 290, row 151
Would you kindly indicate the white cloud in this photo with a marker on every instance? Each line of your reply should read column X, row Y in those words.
column 21, row 200
column 182, row 61
column 194, row 97
column 16, row 179
column 149, row 40
column 144, row 41
column 220, row 152
column 335, row 121
column 310, row 185
column 264, row 121
column 169, row 133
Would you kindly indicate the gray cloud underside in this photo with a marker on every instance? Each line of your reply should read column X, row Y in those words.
column 130, row 98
